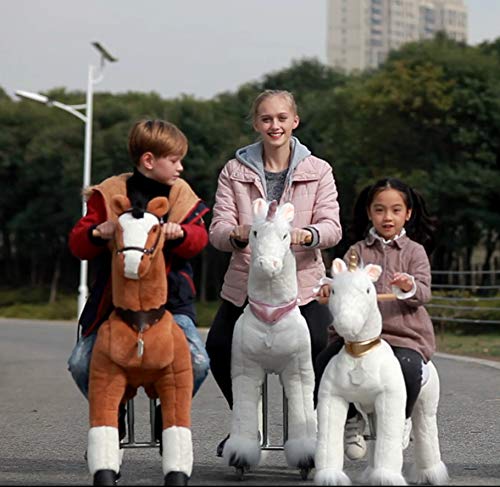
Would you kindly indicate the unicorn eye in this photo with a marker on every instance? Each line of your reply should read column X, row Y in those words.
column 367, row 290
column 255, row 233
column 284, row 236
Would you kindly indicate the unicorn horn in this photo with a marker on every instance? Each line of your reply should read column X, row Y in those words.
column 353, row 261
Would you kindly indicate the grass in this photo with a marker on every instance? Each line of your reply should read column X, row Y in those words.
column 485, row 345
column 32, row 303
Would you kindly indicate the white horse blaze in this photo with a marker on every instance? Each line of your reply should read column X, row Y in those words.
column 135, row 234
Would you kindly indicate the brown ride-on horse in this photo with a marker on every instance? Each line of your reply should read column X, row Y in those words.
column 140, row 345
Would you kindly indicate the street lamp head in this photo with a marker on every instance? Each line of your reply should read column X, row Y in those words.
column 33, row 96
column 104, row 53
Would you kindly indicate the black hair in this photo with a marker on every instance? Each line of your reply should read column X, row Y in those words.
column 420, row 227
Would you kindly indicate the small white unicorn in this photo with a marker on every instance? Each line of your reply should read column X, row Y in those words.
column 367, row 373
column 271, row 336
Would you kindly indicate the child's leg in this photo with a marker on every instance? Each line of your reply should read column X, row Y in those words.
column 79, row 362
column 199, row 356
column 411, row 365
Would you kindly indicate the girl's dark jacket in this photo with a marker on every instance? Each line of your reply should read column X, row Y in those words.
column 186, row 209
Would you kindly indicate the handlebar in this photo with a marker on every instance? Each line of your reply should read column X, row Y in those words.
column 386, row 297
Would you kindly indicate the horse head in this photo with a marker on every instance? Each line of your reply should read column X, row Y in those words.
column 138, row 234
column 353, row 300
column 270, row 236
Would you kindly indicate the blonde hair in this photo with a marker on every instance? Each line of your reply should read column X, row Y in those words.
column 159, row 137
column 268, row 94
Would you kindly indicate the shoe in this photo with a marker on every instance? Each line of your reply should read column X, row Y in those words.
column 122, row 429
column 354, row 442
column 220, row 447
column 406, row 433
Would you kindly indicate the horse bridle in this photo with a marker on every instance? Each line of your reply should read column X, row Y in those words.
column 143, row 250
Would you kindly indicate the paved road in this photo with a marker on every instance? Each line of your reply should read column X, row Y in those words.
column 43, row 420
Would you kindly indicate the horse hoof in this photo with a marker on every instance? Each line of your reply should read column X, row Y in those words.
column 240, row 472
column 238, row 463
column 176, row 478
column 105, row 477
column 304, row 473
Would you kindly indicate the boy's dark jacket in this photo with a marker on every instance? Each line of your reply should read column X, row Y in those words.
column 186, row 209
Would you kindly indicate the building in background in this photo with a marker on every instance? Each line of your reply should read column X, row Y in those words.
column 360, row 33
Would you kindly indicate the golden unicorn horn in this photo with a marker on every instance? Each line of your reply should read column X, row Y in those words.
column 353, row 261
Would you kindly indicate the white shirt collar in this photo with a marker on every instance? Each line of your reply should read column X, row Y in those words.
column 374, row 234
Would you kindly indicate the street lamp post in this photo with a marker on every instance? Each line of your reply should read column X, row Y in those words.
column 85, row 117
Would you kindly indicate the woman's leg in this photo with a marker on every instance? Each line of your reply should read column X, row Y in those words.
column 322, row 361
column 318, row 318
column 199, row 356
column 218, row 345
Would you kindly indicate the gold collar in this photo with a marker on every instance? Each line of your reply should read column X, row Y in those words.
column 358, row 349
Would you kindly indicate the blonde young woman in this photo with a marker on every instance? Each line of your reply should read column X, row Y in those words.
column 277, row 167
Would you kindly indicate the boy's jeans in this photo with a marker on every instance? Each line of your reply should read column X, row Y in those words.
column 79, row 361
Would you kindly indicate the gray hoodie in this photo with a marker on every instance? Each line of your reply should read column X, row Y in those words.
column 251, row 156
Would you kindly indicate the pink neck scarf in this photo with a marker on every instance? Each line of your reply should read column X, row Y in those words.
column 269, row 313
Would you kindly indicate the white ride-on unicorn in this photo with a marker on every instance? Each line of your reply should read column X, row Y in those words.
column 271, row 336
column 366, row 372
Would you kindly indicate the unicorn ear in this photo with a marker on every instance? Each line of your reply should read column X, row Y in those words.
column 259, row 209
column 338, row 266
column 159, row 206
column 287, row 211
column 373, row 271
column 120, row 203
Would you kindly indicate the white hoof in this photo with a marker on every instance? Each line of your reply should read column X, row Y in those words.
column 383, row 476
column 300, row 452
column 241, row 451
column 437, row 475
column 331, row 476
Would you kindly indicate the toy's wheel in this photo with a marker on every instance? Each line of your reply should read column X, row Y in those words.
column 304, row 473
column 240, row 472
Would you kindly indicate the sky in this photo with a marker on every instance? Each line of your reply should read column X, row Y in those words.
column 171, row 47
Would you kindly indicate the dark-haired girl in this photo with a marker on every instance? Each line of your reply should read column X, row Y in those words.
column 392, row 228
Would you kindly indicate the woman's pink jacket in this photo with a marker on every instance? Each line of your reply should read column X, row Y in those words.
column 314, row 195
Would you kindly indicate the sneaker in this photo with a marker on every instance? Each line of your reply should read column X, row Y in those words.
column 354, row 442
column 220, row 446
column 406, row 433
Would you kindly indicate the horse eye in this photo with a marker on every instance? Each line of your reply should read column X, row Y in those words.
column 368, row 291
column 284, row 236
column 255, row 233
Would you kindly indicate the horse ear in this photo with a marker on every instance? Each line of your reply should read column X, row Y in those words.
column 338, row 266
column 287, row 211
column 120, row 203
column 259, row 209
column 158, row 206
column 373, row 271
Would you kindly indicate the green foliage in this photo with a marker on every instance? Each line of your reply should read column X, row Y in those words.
column 430, row 115
column 31, row 303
